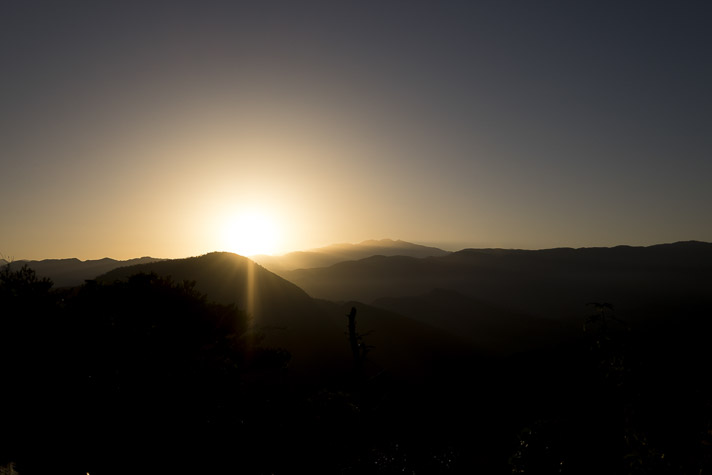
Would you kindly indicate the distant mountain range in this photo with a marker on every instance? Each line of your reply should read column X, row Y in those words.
column 71, row 272
column 329, row 255
column 642, row 282
column 495, row 299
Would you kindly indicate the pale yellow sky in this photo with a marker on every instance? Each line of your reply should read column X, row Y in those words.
column 472, row 125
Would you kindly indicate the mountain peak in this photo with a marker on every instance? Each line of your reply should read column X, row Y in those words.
column 381, row 242
column 335, row 253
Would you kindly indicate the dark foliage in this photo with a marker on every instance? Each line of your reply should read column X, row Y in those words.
column 108, row 377
column 147, row 376
column 639, row 403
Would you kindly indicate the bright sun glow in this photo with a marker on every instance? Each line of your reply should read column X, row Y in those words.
column 250, row 233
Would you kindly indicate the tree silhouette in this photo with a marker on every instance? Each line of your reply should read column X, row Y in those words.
column 359, row 349
column 143, row 369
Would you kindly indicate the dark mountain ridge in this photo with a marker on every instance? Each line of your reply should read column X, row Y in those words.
column 313, row 332
column 552, row 283
column 329, row 255
column 72, row 271
column 231, row 279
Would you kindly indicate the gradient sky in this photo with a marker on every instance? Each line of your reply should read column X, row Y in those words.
column 131, row 129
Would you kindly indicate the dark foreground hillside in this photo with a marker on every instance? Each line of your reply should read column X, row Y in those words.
column 146, row 375
column 286, row 317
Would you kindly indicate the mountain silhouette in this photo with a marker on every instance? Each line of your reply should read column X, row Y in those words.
column 643, row 282
column 476, row 357
column 71, row 272
column 286, row 317
column 329, row 255
column 280, row 310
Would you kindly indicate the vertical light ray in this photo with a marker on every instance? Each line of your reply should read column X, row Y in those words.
column 250, row 291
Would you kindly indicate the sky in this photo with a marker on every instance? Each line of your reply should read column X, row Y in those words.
column 153, row 128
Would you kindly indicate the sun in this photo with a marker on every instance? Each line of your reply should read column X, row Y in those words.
column 252, row 232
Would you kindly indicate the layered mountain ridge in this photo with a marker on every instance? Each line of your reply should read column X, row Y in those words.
column 498, row 300
column 335, row 253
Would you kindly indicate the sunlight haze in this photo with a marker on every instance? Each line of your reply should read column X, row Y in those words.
column 132, row 130
column 353, row 237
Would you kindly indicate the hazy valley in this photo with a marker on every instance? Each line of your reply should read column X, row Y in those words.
column 442, row 341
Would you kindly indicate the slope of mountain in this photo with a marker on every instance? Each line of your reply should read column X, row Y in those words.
column 491, row 329
column 640, row 281
column 313, row 332
column 401, row 345
column 226, row 278
column 329, row 255
column 71, row 272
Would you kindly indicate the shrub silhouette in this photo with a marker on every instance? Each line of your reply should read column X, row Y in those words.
column 138, row 369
